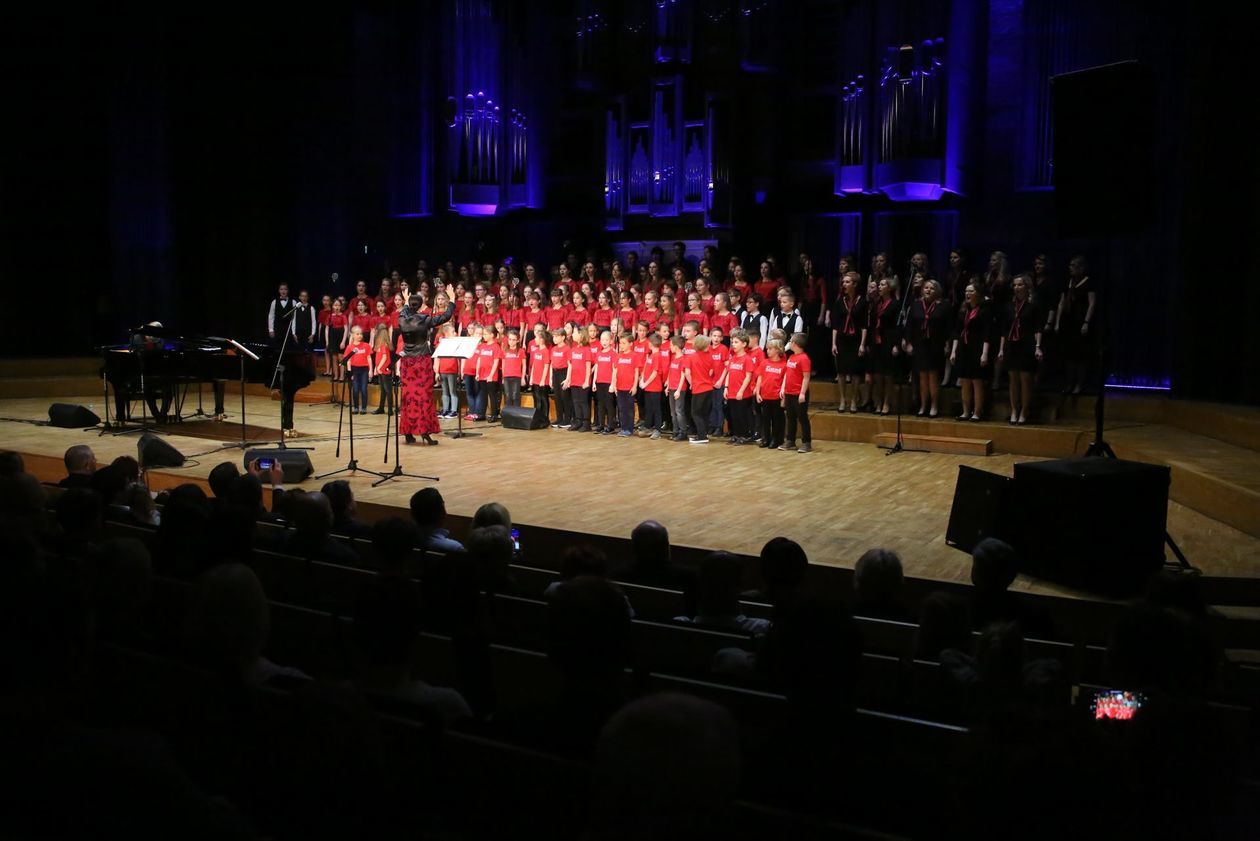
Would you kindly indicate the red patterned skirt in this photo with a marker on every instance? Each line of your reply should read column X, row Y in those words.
column 419, row 414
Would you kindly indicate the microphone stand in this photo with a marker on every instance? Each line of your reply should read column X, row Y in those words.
column 352, row 466
column 241, row 352
column 899, row 446
column 138, row 349
column 397, row 471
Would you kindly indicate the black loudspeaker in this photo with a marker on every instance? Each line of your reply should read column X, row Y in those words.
column 1103, row 158
column 69, row 415
column 152, row 451
column 1093, row 523
column 979, row 510
column 523, row 417
column 296, row 464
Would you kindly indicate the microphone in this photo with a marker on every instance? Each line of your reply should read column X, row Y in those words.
column 335, row 277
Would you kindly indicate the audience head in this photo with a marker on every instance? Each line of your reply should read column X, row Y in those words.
column 649, row 543
column 246, row 493
column 80, row 460
column 392, row 541
column 944, row 623
column 22, row 499
column 311, row 515
column 589, row 624
column 877, row 578
column 783, row 567
column 221, row 478
column 128, row 468
column 341, row 498
column 721, row 580
column 583, row 559
column 994, row 566
column 490, row 549
column 1000, row 655
column 139, row 501
column 229, row 618
column 666, row 766
column 1156, row 649
column 428, row 509
column 492, row 514
column 109, row 483
column 80, row 514
column 11, row 463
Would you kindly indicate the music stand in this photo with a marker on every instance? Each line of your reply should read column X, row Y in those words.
column 459, row 347
column 137, row 347
column 241, row 353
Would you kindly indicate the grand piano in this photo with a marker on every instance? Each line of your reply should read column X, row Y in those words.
column 159, row 366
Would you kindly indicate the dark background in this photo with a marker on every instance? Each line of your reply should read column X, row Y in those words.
column 177, row 165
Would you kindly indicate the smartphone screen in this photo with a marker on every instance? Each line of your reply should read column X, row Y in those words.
column 516, row 539
column 1116, row 705
column 266, row 463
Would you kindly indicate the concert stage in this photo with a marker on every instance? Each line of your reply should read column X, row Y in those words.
column 845, row 497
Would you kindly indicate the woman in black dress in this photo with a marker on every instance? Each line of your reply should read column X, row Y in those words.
column 970, row 353
column 1076, row 311
column 1020, row 347
column 848, row 339
column 997, row 289
column 927, row 336
column 887, row 349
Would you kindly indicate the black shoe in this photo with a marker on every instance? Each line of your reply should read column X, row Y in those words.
column 428, row 439
column 410, row 439
column 379, row 412
column 764, row 444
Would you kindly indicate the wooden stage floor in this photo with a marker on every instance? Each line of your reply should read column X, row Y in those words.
column 837, row 502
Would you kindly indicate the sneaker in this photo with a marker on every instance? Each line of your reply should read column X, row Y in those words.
column 805, row 448
column 678, row 437
column 656, row 435
column 764, row 445
column 697, row 440
column 787, row 445
column 625, row 433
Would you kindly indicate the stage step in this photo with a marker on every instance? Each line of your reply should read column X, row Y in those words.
column 1219, row 479
column 938, row 444
column 50, row 366
column 50, row 386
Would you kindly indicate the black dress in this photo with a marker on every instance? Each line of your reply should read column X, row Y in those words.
column 887, row 335
column 927, row 329
column 1077, row 348
column 848, row 319
column 1020, row 324
column 972, row 331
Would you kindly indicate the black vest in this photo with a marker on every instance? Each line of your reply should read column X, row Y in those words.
column 304, row 322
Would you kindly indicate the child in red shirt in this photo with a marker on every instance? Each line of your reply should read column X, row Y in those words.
column 578, row 380
column 487, row 361
column 695, row 312
column 358, row 358
column 540, row 374
column 448, row 375
column 740, row 372
column 652, row 386
column 625, row 384
column 381, row 368
column 796, row 394
column 604, row 360
column 335, row 338
column 719, row 353
column 701, row 376
column 513, row 368
column 722, row 316
column 676, row 387
column 769, row 391
column 558, row 313
column 559, row 373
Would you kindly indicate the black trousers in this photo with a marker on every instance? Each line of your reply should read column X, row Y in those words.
column 386, row 384
column 541, row 399
column 603, row 406
column 798, row 412
column 652, row 410
column 741, row 417
column 512, row 391
column 772, row 421
column 564, row 402
column 581, row 406
column 701, row 405
column 625, row 411
column 494, row 391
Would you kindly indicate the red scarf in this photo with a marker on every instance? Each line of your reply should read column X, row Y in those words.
column 927, row 319
column 967, row 319
column 1016, row 332
column 849, row 304
column 883, row 305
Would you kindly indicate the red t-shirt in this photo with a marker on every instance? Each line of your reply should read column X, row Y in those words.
column 700, row 318
column 719, row 353
column 489, row 318
column 629, row 318
column 580, row 317
column 486, row 353
column 446, row 364
column 559, row 358
column 556, row 318
column 757, row 355
column 797, row 368
column 604, row 365
column 625, row 372
column 639, row 347
column 602, row 318
column 337, row 320
column 771, row 373
column 529, row 318
column 466, row 318
column 674, row 378
column 359, row 354
column 706, row 304
column 382, row 361
column 513, row 363
column 701, row 366
column 538, row 358
column 579, row 364
column 727, row 321
column 511, row 318
column 321, row 317
column 352, row 305
column 767, row 289
column 739, row 374
column 657, row 363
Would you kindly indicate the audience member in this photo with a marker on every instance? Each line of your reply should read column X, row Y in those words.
column 80, row 465
column 783, row 566
column 11, row 463
column 492, row 514
column 341, row 498
column 222, row 475
column 877, row 582
column 392, row 541
column 490, row 551
column 651, row 564
column 994, row 566
column 311, row 538
column 428, row 510
column 943, row 624
column 721, row 577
